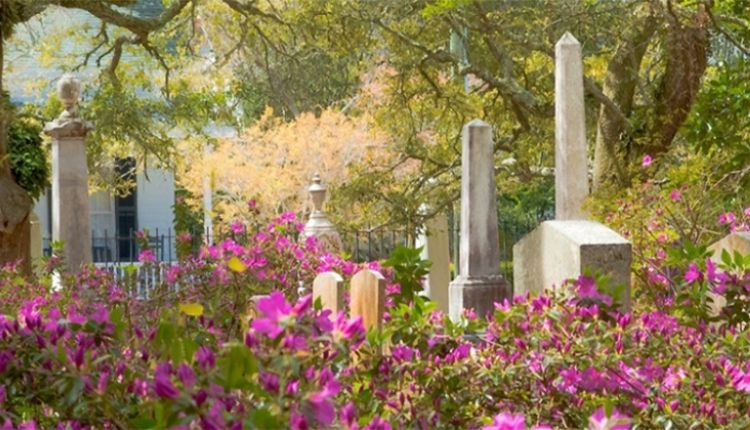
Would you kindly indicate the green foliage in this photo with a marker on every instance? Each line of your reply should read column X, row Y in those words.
column 28, row 156
column 409, row 270
column 186, row 221
column 720, row 121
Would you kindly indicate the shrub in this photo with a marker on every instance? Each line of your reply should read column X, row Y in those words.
column 199, row 354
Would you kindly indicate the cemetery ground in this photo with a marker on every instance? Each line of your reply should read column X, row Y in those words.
column 620, row 301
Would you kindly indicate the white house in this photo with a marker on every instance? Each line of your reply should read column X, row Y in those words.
column 113, row 218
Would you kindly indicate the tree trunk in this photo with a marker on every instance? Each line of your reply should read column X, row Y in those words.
column 610, row 156
column 15, row 203
column 687, row 56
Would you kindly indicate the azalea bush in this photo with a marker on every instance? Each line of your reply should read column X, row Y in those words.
column 232, row 339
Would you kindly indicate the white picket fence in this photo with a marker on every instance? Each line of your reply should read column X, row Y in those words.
column 146, row 278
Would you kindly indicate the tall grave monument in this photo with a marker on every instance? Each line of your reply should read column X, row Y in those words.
column 479, row 284
column 564, row 248
column 70, row 193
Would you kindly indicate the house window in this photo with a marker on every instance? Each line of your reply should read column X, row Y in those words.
column 126, row 220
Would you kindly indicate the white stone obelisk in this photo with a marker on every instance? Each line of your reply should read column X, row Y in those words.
column 571, row 245
column 571, row 158
column 479, row 284
column 70, row 191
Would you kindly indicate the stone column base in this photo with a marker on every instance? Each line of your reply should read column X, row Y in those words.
column 478, row 293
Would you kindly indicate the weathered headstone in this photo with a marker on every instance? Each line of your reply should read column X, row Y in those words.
column 70, row 196
column 436, row 250
column 368, row 297
column 479, row 284
column 329, row 287
column 565, row 248
column 318, row 225
column 738, row 241
column 559, row 250
column 571, row 158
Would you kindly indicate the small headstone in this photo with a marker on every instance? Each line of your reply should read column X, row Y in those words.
column 571, row 158
column 479, row 284
column 329, row 287
column 436, row 250
column 738, row 241
column 368, row 297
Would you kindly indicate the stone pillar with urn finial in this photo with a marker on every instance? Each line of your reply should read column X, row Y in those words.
column 70, row 194
column 318, row 225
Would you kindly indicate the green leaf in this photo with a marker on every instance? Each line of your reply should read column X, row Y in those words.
column 236, row 366
column 143, row 423
column 264, row 419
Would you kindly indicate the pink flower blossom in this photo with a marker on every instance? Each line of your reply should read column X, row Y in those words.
column 163, row 386
column 693, row 274
column 205, row 358
column 585, row 288
column 617, row 421
column 675, row 195
column 237, row 227
column 507, row 421
column 647, row 160
column 348, row 414
column 273, row 308
column 727, row 218
column 147, row 256
column 186, row 375
column 322, row 407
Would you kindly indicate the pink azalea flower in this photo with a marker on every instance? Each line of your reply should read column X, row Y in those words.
column 675, row 195
column 205, row 358
column 237, row 227
column 298, row 421
column 693, row 274
column 27, row 425
column 742, row 382
column 507, row 421
column 378, row 423
column 617, row 421
column 163, row 386
column 585, row 287
column 100, row 315
column 147, row 256
column 273, row 308
column 747, row 212
column 186, row 375
column 727, row 218
column 322, row 407
column 348, row 414
column 647, row 160
column 269, row 381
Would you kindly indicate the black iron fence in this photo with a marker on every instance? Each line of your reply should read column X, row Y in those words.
column 125, row 248
column 359, row 245
column 374, row 243
column 508, row 234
